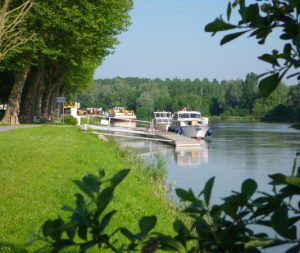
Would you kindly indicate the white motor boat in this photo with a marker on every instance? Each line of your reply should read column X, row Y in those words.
column 190, row 124
column 121, row 114
column 162, row 120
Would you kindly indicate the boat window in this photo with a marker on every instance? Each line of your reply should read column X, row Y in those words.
column 184, row 115
column 195, row 115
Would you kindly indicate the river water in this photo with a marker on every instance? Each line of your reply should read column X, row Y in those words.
column 235, row 152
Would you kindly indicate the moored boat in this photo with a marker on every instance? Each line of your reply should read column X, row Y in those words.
column 162, row 120
column 121, row 114
column 190, row 124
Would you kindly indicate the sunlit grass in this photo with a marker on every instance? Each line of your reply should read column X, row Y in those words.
column 37, row 167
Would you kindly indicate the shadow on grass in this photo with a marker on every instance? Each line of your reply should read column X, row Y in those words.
column 12, row 248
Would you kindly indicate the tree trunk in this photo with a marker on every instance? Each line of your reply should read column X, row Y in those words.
column 39, row 99
column 13, row 106
column 30, row 95
column 49, row 99
column 55, row 71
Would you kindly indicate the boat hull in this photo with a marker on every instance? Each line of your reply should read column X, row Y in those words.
column 198, row 132
column 162, row 127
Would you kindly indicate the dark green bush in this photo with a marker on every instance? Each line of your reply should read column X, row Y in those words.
column 70, row 120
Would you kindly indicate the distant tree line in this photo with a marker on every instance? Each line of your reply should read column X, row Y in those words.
column 225, row 98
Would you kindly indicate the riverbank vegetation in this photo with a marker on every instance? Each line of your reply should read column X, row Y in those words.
column 225, row 99
column 38, row 166
column 234, row 225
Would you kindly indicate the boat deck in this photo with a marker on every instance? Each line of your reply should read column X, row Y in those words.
column 179, row 141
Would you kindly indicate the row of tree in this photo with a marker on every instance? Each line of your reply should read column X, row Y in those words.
column 65, row 42
column 227, row 98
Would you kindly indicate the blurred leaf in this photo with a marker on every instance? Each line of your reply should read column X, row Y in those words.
column 268, row 84
column 182, row 232
column 85, row 188
column 185, row 195
column 294, row 249
column 80, row 203
column 230, row 37
column 218, row 25
column 252, row 14
column 296, row 126
column 82, row 231
column 146, row 224
column 167, row 243
column 280, row 223
column 53, row 228
column 278, row 179
column 287, row 49
column 106, row 219
column 229, row 8
column 270, row 59
column 230, row 209
column 119, row 176
column 249, row 187
column 128, row 234
column 92, row 182
column 202, row 226
column 103, row 199
column 208, row 189
column 216, row 212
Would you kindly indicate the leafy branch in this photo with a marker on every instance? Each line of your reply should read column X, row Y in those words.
column 259, row 20
column 13, row 27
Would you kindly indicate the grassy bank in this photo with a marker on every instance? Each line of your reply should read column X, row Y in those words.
column 37, row 167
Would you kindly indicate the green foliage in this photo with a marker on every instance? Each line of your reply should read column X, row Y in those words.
column 227, row 227
column 70, row 120
column 259, row 19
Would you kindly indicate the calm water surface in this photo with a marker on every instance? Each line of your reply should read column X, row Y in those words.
column 235, row 152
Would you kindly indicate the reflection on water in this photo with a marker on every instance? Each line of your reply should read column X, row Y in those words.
column 184, row 157
column 191, row 157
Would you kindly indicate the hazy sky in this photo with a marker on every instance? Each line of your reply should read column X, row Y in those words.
column 167, row 40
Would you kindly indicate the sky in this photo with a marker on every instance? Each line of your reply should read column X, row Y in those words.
column 167, row 40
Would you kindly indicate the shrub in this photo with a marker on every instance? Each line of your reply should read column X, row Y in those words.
column 70, row 120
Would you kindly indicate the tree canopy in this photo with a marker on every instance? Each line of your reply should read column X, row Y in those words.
column 72, row 39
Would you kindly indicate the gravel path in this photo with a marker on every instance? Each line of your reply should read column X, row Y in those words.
column 7, row 128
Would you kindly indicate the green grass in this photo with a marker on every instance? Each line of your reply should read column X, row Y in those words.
column 37, row 166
